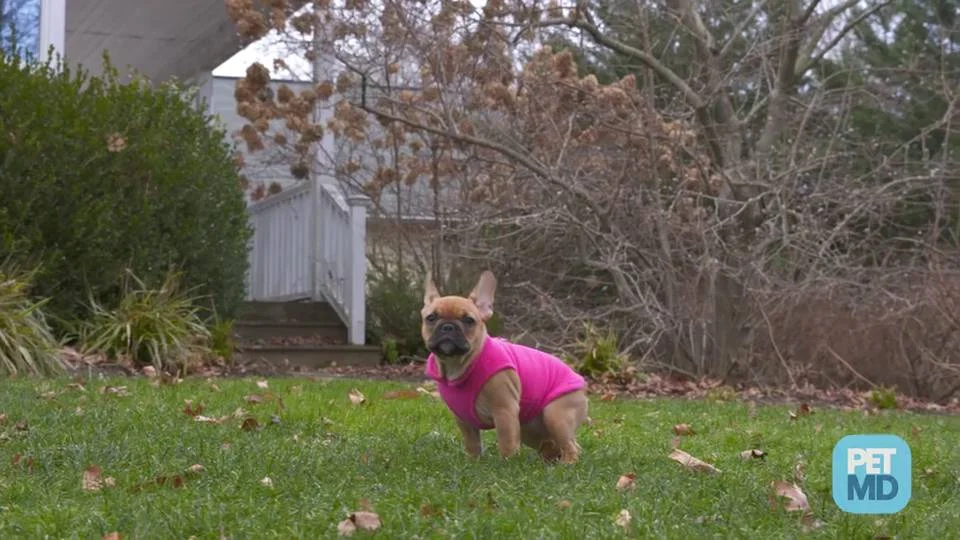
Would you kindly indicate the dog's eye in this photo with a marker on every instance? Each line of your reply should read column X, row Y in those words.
column 468, row 320
column 432, row 318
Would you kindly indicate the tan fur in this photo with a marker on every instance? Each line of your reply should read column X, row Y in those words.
column 552, row 434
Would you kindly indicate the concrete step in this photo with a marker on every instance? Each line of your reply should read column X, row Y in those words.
column 311, row 357
column 300, row 311
column 251, row 330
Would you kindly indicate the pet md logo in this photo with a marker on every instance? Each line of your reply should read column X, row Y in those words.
column 871, row 474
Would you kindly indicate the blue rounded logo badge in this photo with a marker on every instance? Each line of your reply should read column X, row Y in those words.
column 872, row 474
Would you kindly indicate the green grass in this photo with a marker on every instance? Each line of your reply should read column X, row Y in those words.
column 325, row 455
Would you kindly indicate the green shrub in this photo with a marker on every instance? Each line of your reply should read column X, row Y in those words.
column 161, row 327
column 221, row 338
column 597, row 354
column 394, row 301
column 884, row 397
column 98, row 176
column 27, row 346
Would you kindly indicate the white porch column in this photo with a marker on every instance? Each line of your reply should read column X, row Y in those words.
column 53, row 27
column 358, row 268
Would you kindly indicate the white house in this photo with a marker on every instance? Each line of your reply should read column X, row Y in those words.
column 309, row 241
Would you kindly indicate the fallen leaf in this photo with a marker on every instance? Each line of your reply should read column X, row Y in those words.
column 21, row 426
column 210, row 419
column 215, row 387
column 627, row 482
column 120, row 391
column 608, row 396
column 794, row 499
column 802, row 410
column 112, row 536
column 266, row 481
column 563, row 504
column 429, row 510
column 916, row 430
column 753, row 454
column 3, row 419
column 91, row 478
column 116, row 142
column 691, row 462
column 150, row 371
column 818, row 428
column 262, row 384
column 250, row 424
column 683, row 429
column 401, row 394
column 346, row 528
column 76, row 386
column 798, row 472
column 253, row 398
column 196, row 468
column 624, row 518
column 15, row 460
column 365, row 521
column 356, row 397
column 190, row 410
column 48, row 395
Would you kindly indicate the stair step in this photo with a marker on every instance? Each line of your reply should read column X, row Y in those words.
column 265, row 329
column 301, row 311
column 311, row 357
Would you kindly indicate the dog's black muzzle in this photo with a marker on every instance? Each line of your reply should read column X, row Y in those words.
column 448, row 339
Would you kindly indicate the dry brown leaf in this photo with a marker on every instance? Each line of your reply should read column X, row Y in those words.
column 346, row 528
column 210, row 419
column 196, row 468
column 563, row 504
column 608, row 396
column 429, row 510
column 15, row 459
column 627, row 482
column 803, row 410
column 253, row 398
column 691, row 462
column 624, row 519
column 3, row 419
column 356, row 397
column 792, row 497
column 683, row 429
column 76, row 386
column 91, row 478
column 112, row 536
column 250, row 424
column 120, row 391
column 262, row 384
column 21, row 426
column 401, row 394
column 798, row 472
column 753, row 454
column 150, row 371
column 116, row 142
column 190, row 410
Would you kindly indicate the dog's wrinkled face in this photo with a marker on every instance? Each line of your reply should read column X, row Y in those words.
column 453, row 326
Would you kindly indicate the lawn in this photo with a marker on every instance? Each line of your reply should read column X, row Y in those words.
column 325, row 456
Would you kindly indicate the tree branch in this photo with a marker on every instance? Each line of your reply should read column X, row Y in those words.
column 694, row 99
column 803, row 64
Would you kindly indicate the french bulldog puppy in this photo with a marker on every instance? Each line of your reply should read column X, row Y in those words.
column 526, row 395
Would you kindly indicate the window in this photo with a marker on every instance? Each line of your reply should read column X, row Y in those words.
column 29, row 27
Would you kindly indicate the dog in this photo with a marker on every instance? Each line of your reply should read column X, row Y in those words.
column 526, row 395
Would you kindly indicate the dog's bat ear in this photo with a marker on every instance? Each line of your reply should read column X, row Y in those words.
column 483, row 292
column 430, row 290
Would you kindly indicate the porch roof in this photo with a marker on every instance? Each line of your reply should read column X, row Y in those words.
column 172, row 38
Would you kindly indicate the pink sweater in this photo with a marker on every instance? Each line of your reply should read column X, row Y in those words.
column 543, row 377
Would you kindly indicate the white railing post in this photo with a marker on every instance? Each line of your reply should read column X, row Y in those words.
column 358, row 268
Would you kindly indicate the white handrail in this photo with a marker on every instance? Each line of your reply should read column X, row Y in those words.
column 309, row 244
